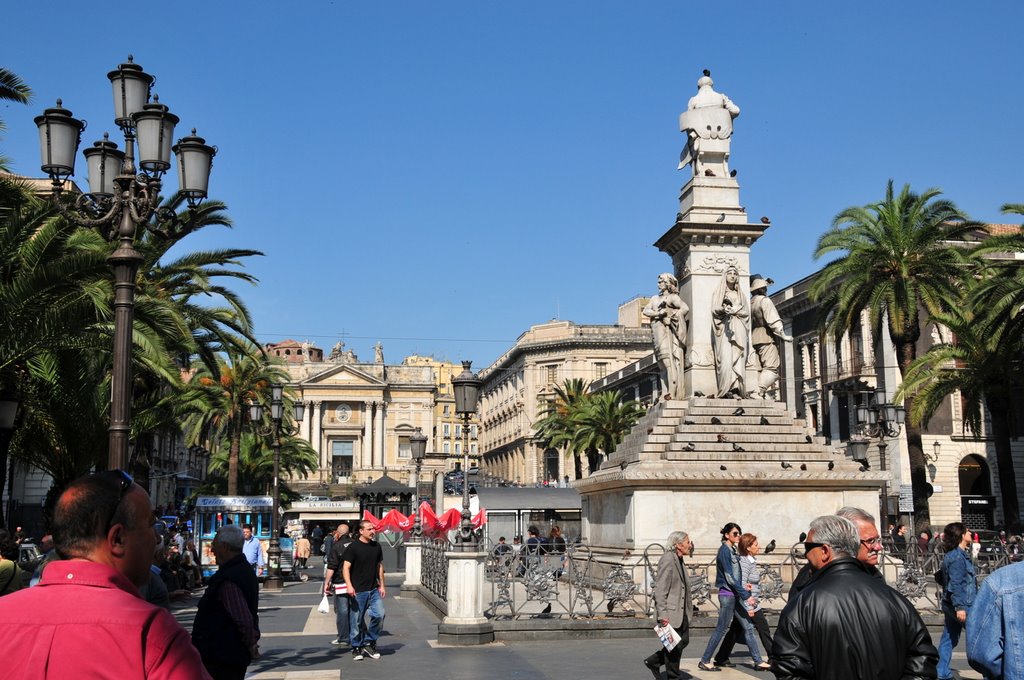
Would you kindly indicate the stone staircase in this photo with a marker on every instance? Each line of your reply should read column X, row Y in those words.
column 707, row 437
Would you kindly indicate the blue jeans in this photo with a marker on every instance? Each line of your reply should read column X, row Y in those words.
column 728, row 609
column 950, row 637
column 359, row 633
column 341, row 616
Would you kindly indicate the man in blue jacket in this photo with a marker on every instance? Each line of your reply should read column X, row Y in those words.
column 995, row 628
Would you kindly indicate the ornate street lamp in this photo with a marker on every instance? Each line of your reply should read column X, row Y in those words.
column 122, row 198
column 878, row 420
column 418, row 446
column 466, row 387
column 274, row 579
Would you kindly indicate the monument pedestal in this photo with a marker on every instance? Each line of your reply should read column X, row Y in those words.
column 668, row 475
column 413, row 566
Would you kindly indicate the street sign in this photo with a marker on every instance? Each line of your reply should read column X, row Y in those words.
column 906, row 498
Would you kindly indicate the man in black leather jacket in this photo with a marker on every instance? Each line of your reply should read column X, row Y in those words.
column 847, row 624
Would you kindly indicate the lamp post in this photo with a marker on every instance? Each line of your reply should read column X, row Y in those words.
column 466, row 387
column 122, row 198
column 878, row 420
column 274, row 579
column 418, row 445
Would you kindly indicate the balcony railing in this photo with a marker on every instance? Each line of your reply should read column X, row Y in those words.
column 853, row 368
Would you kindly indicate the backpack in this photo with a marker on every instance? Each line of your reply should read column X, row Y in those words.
column 941, row 577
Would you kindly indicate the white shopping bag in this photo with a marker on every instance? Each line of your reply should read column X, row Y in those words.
column 668, row 636
column 325, row 606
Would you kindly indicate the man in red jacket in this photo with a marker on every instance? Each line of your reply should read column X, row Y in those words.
column 85, row 619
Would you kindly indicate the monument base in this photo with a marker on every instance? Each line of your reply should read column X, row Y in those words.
column 694, row 465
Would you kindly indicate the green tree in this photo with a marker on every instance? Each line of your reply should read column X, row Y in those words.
column 256, row 464
column 218, row 404
column 981, row 370
column 12, row 89
column 895, row 259
column 555, row 428
column 602, row 423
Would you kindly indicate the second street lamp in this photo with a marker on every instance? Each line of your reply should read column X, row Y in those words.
column 122, row 198
column 466, row 387
column 274, row 579
column 418, row 446
column 879, row 420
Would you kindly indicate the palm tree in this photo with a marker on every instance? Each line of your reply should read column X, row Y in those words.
column 981, row 370
column 602, row 423
column 555, row 427
column 12, row 89
column 896, row 259
column 256, row 464
column 218, row 404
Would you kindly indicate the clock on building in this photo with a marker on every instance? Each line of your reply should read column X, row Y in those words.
column 343, row 413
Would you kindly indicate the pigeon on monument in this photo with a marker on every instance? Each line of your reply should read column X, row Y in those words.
column 722, row 467
column 764, row 421
column 831, row 465
column 808, row 439
column 765, row 220
column 803, row 466
column 785, row 465
column 690, row 446
column 739, row 411
column 803, row 536
column 720, row 218
column 732, row 173
column 863, row 468
column 689, row 422
column 721, row 438
column 715, row 420
column 698, row 393
column 737, row 447
column 709, row 173
column 770, row 548
column 546, row 610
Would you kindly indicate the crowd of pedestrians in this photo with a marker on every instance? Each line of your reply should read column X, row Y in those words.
column 85, row 618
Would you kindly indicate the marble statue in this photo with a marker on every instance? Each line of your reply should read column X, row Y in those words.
column 668, row 314
column 336, row 351
column 305, row 350
column 378, row 353
column 765, row 328
column 707, row 123
column 729, row 315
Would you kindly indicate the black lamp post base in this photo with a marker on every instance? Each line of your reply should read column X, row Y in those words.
column 273, row 583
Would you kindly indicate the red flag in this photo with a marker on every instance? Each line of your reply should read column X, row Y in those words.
column 480, row 518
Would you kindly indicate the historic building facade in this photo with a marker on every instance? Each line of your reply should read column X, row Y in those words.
column 519, row 384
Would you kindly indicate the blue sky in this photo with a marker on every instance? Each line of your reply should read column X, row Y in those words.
column 441, row 175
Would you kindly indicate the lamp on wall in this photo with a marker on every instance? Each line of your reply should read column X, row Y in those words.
column 936, row 448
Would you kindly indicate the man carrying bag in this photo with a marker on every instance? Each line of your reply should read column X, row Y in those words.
column 673, row 605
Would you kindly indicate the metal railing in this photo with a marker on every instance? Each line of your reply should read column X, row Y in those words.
column 434, row 566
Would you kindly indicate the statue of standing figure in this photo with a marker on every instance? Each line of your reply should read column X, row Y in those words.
column 766, row 327
column 707, row 123
column 378, row 353
column 668, row 315
column 729, row 314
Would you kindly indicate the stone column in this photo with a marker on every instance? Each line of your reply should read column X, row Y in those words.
column 792, row 389
column 465, row 623
column 365, row 450
column 315, row 430
column 413, row 564
column 378, row 441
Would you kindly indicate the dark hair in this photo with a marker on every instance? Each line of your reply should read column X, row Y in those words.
column 87, row 509
column 8, row 548
column 952, row 535
column 532, row 530
column 746, row 540
column 727, row 529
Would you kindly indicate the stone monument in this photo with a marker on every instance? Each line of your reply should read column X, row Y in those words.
column 711, row 454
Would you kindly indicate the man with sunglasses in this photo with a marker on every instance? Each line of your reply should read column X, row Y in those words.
column 85, row 619
column 846, row 624
column 867, row 554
